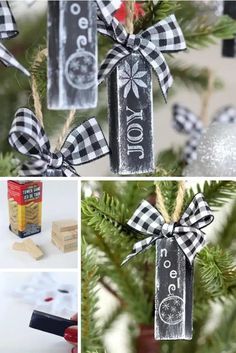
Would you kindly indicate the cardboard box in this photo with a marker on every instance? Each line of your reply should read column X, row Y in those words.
column 25, row 207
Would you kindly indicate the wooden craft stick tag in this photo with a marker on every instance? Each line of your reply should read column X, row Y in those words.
column 72, row 56
column 131, row 116
column 174, row 292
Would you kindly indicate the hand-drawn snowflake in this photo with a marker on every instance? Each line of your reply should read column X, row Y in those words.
column 131, row 79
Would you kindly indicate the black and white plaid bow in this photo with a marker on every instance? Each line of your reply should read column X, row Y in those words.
column 185, row 121
column 8, row 30
column 187, row 231
column 107, row 8
column 83, row 144
column 165, row 36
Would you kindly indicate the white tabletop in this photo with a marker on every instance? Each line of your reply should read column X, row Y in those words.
column 15, row 317
column 60, row 201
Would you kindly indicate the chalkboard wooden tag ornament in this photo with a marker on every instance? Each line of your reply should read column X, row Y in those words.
column 127, row 69
column 72, row 51
column 229, row 45
column 176, row 246
column 72, row 54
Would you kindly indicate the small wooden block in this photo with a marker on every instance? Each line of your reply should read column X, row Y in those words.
column 65, row 248
column 19, row 247
column 65, row 225
column 29, row 246
column 65, row 235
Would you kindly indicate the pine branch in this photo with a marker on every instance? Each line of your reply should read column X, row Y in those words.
column 133, row 192
column 217, row 272
column 191, row 76
column 169, row 163
column 200, row 34
column 222, row 339
column 154, row 13
column 9, row 165
column 107, row 216
column 226, row 234
column 127, row 281
column 91, row 334
column 216, row 193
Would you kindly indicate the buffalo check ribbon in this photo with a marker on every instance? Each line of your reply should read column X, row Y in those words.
column 185, row 121
column 83, row 144
column 187, row 231
column 107, row 8
column 8, row 30
column 164, row 37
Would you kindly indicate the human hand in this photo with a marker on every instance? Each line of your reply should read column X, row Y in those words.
column 71, row 334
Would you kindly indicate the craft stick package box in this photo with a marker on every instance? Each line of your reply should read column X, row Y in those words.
column 25, row 207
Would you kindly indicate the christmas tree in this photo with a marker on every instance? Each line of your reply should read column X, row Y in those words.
column 199, row 23
column 106, row 208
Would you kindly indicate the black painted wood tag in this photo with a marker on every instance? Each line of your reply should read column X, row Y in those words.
column 131, row 116
column 229, row 45
column 174, row 292
column 72, row 54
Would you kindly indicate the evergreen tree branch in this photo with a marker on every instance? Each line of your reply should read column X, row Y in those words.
column 200, row 34
column 216, row 193
column 91, row 334
column 226, row 234
column 217, row 272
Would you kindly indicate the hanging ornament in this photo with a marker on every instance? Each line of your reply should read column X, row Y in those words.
column 176, row 246
column 185, row 121
column 8, row 30
column 43, row 292
column 216, row 153
column 72, row 52
column 84, row 144
column 229, row 45
column 128, row 70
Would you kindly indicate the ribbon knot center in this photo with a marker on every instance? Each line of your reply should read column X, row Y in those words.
column 133, row 42
column 56, row 160
column 167, row 229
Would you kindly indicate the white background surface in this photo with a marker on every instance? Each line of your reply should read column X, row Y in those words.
column 60, row 201
column 15, row 334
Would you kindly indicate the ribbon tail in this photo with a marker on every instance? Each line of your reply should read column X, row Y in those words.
column 140, row 247
column 114, row 56
column 107, row 8
column 197, row 243
column 69, row 171
column 8, row 60
column 160, row 67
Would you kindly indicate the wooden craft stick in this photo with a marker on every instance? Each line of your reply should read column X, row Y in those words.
column 29, row 246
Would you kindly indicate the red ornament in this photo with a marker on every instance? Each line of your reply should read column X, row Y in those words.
column 121, row 14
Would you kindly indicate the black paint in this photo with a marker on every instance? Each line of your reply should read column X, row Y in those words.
column 72, row 54
column 131, row 117
column 229, row 45
column 174, row 292
column 50, row 323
